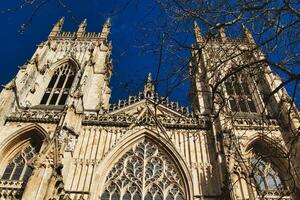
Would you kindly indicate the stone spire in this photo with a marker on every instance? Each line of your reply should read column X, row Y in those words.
column 198, row 35
column 106, row 29
column 149, row 89
column 81, row 28
column 57, row 27
column 248, row 35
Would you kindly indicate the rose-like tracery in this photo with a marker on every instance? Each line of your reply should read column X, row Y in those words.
column 144, row 172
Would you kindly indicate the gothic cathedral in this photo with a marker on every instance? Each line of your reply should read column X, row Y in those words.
column 62, row 139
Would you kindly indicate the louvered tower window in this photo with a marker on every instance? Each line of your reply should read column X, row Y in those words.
column 240, row 95
column 59, row 86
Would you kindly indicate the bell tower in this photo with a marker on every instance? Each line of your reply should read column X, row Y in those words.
column 69, row 68
column 251, row 127
column 67, row 75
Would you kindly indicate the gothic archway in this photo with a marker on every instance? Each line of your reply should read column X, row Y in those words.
column 143, row 173
column 59, row 86
column 143, row 167
column 18, row 151
column 269, row 168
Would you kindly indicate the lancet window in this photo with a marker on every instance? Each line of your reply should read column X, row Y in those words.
column 144, row 173
column 240, row 95
column 17, row 168
column 59, row 86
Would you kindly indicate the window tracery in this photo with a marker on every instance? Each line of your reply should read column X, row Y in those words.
column 17, row 168
column 240, row 95
column 266, row 176
column 144, row 173
column 59, row 86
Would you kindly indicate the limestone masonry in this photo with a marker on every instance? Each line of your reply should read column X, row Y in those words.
column 61, row 138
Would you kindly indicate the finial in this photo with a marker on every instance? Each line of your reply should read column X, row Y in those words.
column 248, row 34
column 149, row 89
column 149, row 79
column 197, row 31
column 81, row 28
column 222, row 33
column 57, row 27
column 107, row 22
column 106, row 29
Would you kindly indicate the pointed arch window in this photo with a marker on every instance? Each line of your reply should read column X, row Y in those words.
column 240, row 96
column 266, row 175
column 144, row 173
column 59, row 86
column 17, row 168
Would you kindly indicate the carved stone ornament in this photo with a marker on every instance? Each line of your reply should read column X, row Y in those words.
column 78, row 93
column 144, row 172
column 33, row 88
column 35, row 60
column 53, row 45
column 69, row 137
column 11, row 85
column 43, row 69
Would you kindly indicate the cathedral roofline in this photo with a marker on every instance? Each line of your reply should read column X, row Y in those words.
column 81, row 33
column 150, row 94
column 156, row 99
column 221, row 37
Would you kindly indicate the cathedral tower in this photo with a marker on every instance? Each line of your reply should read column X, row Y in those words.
column 62, row 138
column 255, row 130
column 68, row 75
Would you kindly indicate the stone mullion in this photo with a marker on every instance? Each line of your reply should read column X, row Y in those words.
column 143, row 179
column 23, row 171
column 243, row 94
column 64, row 84
column 54, row 86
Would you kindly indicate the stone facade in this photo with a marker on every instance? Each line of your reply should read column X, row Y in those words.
column 62, row 139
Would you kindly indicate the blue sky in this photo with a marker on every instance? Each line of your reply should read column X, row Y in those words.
column 130, row 34
column 131, row 62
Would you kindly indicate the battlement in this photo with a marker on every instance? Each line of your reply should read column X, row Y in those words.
column 57, row 32
column 92, row 35
column 184, row 110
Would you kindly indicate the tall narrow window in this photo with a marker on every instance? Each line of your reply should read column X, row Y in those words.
column 59, row 86
column 144, row 173
column 240, row 95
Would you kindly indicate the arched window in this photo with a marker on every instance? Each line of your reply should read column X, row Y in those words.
column 240, row 95
column 144, row 173
column 59, row 86
column 17, row 168
column 266, row 176
column 15, row 162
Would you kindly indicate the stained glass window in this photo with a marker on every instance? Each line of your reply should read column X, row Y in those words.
column 144, row 173
column 17, row 168
column 265, row 175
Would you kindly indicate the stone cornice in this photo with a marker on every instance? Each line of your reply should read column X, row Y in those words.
column 124, row 120
column 255, row 123
column 40, row 116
